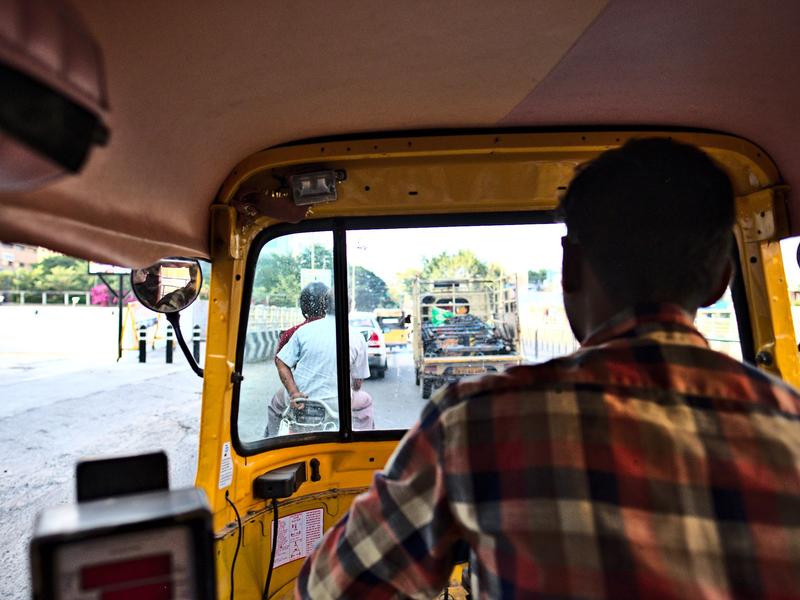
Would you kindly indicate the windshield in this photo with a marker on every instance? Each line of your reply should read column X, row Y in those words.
column 479, row 300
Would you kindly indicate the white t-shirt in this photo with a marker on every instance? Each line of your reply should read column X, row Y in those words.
column 311, row 353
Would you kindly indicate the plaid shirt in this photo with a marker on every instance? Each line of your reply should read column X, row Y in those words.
column 643, row 465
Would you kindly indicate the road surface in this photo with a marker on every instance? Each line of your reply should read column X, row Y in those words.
column 396, row 399
column 55, row 411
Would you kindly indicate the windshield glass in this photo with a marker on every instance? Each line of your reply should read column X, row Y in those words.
column 457, row 302
column 290, row 381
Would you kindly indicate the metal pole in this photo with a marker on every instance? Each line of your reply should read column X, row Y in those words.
column 169, row 344
column 142, row 344
column 353, row 297
column 119, row 320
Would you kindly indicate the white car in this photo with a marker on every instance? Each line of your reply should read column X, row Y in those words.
column 366, row 324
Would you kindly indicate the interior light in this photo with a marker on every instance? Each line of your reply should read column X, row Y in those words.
column 315, row 187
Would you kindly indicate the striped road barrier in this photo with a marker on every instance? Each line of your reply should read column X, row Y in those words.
column 260, row 345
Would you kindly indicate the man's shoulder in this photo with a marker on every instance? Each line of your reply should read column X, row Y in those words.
column 526, row 379
column 597, row 367
column 763, row 384
column 316, row 325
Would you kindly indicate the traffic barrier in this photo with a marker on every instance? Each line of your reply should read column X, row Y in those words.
column 196, row 343
column 260, row 345
column 170, row 335
column 142, row 344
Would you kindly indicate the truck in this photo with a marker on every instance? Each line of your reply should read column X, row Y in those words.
column 464, row 327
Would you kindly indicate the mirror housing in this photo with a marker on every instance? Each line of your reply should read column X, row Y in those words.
column 169, row 285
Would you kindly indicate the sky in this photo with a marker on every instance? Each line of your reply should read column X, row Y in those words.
column 517, row 248
column 387, row 252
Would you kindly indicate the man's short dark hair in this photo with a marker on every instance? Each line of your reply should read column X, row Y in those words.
column 654, row 219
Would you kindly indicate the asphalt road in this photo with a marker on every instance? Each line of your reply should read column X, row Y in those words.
column 54, row 412
column 396, row 399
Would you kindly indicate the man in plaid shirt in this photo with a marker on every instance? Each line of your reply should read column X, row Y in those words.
column 643, row 465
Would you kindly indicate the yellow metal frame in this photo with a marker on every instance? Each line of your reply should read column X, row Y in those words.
column 434, row 175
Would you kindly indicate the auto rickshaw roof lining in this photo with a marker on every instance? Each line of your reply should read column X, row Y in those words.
column 479, row 172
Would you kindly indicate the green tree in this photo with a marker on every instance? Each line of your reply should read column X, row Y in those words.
column 29, row 279
column 461, row 265
column 59, row 260
column 55, row 273
column 537, row 278
column 322, row 258
column 62, row 278
column 277, row 280
column 371, row 290
column 205, row 290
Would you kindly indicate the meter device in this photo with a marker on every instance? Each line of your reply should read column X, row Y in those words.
column 152, row 545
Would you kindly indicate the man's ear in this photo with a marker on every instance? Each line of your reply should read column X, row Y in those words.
column 722, row 285
column 571, row 265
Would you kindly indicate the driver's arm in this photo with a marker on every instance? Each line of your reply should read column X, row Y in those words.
column 398, row 537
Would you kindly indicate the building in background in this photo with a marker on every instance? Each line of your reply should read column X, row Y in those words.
column 21, row 256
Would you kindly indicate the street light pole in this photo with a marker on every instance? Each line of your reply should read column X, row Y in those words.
column 120, row 298
column 360, row 248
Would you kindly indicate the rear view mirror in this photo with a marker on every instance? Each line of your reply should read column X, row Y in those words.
column 168, row 286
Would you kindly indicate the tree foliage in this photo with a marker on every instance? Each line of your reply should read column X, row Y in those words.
column 277, row 280
column 460, row 265
column 371, row 291
column 54, row 273
column 536, row 279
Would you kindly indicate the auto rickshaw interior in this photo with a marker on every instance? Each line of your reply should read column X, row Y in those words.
column 506, row 188
column 487, row 191
column 377, row 217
